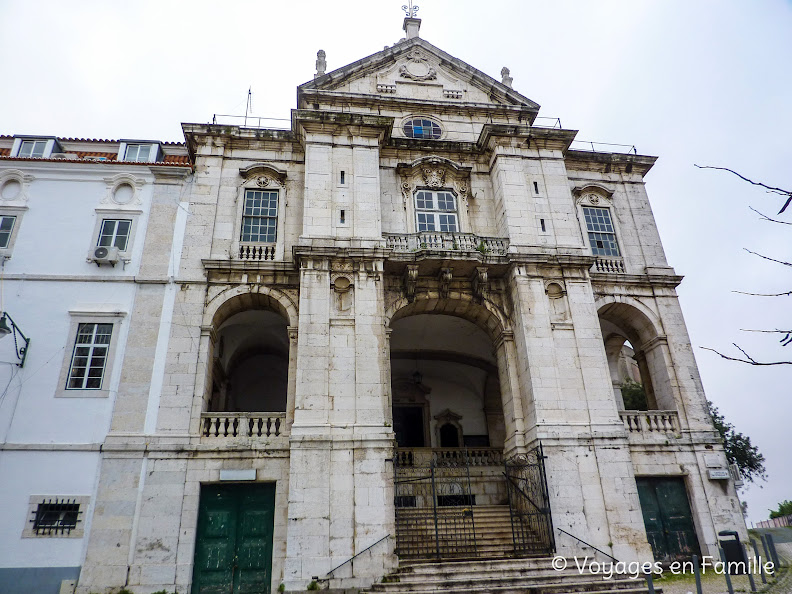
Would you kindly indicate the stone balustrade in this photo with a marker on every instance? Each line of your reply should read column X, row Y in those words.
column 650, row 421
column 406, row 457
column 459, row 242
column 613, row 265
column 256, row 252
column 244, row 424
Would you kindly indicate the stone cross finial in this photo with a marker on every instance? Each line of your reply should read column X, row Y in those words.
column 507, row 80
column 321, row 63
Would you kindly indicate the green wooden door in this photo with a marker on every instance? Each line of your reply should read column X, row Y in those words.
column 233, row 547
column 667, row 517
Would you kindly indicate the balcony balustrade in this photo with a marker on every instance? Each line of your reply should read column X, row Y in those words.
column 450, row 242
column 612, row 265
column 650, row 422
column 244, row 424
column 256, row 252
column 406, row 457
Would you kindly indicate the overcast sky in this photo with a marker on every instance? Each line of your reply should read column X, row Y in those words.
column 704, row 82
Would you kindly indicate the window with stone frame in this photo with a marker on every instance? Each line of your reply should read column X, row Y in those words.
column 260, row 217
column 436, row 210
column 55, row 516
column 89, row 358
column 601, row 232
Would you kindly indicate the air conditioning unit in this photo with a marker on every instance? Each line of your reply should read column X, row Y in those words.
column 104, row 255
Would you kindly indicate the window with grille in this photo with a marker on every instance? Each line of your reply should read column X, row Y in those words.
column 114, row 232
column 6, row 227
column 602, row 235
column 260, row 216
column 436, row 211
column 56, row 517
column 422, row 128
column 89, row 359
column 32, row 148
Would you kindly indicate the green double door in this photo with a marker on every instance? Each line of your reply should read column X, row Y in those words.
column 667, row 517
column 233, row 547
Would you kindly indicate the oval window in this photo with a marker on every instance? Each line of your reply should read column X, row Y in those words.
column 421, row 128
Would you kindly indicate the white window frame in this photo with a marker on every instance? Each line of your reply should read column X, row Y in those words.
column 32, row 154
column 81, row 317
column 35, row 501
column 436, row 214
column 96, row 338
column 125, row 148
column 275, row 217
column 19, row 142
column 117, row 224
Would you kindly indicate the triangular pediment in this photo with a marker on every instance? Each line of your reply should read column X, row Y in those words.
column 416, row 69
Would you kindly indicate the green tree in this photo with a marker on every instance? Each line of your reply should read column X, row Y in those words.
column 739, row 449
column 784, row 509
column 634, row 395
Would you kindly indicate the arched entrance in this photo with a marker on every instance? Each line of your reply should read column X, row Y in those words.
column 453, row 407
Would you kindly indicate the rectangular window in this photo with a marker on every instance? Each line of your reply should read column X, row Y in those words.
column 138, row 153
column 32, row 148
column 114, row 232
column 602, row 235
column 56, row 517
column 6, row 227
column 260, row 216
column 436, row 211
column 90, row 357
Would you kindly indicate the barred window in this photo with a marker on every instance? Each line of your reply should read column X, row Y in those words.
column 115, row 232
column 436, row 211
column 56, row 517
column 602, row 235
column 260, row 216
column 89, row 359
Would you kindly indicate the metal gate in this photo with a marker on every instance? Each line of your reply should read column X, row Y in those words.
column 434, row 505
column 529, row 503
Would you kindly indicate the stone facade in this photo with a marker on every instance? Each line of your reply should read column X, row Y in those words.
column 412, row 243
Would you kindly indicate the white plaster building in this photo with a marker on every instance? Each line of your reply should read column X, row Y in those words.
column 82, row 246
column 414, row 263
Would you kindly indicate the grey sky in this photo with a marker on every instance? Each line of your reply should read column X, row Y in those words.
column 703, row 82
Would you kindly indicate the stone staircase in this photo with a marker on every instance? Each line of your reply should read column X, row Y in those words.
column 493, row 530
column 492, row 567
column 502, row 576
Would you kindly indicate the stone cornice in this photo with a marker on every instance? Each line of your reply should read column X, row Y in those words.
column 609, row 162
column 546, row 138
column 368, row 125
column 642, row 280
column 248, row 265
column 193, row 133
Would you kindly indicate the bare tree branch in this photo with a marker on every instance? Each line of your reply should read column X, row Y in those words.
column 749, row 360
column 766, row 218
column 787, row 294
column 771, row 189
column 768, row 258
column 786, row 340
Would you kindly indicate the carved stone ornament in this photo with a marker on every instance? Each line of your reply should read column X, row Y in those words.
column 444, row 278
column 434, row 177
column 263, row 181
column 593, row 194
column 14, row 186
column 123, row 190
column 410, row 281
column 417, row 68
column 480, row 283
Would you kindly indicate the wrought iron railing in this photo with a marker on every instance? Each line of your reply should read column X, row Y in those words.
column 529, row 503
column 650, row 421
column 245, row 424
column 451, row 242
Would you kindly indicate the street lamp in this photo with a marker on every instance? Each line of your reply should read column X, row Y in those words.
column 8, row 326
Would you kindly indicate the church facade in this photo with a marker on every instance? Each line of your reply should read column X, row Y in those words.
column 414, row 300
